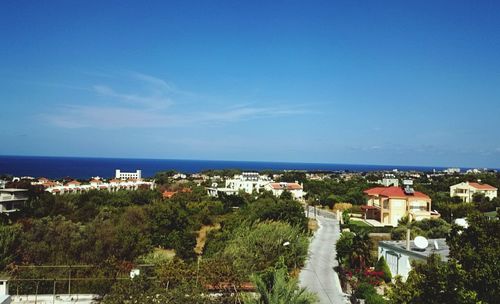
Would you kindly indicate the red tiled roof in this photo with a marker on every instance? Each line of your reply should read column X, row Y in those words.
column 393, row 192
column 73, row 182
column 169, row 194
column 287, row 186
column 49, row 184
column 482, row 186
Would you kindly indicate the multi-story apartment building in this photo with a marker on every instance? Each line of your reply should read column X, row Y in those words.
column 12, row 199
column 128, row 175
column 466, row 191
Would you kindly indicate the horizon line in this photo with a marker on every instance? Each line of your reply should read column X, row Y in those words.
column 257, row 161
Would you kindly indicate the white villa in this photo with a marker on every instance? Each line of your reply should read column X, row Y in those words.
column 466, row 191
column 253, row 181
column 296, row 189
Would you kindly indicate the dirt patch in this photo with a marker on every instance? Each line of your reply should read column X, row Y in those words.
column 312, row 225
column 202, row 237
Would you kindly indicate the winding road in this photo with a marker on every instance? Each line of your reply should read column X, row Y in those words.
column 318, row 275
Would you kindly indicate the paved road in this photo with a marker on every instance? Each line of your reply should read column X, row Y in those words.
column 318, row 275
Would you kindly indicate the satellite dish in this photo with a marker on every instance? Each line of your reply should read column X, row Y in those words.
column 421, row 242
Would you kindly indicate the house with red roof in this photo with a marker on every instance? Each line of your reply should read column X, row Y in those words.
column 466, row 191
column 388, row 205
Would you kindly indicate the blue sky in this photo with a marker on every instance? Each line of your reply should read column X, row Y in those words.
column 371, row 82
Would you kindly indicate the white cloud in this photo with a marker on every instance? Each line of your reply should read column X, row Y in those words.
column 153, row 107
column 122, row 117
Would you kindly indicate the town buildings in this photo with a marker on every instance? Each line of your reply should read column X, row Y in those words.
column 12, row 199
column 452, row 170
column 112, row 185
column 246, row 181
column 388, row 205
column 466, row 191
column 252, row 181
column 122, row 181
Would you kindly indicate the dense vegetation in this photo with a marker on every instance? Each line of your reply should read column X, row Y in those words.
column 103, row 235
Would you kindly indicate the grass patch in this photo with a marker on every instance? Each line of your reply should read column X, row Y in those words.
column 359, row 223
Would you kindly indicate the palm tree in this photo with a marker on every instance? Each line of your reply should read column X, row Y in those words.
column 361, row 255
column 284, row 290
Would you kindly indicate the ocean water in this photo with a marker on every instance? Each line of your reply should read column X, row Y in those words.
column 85, row 167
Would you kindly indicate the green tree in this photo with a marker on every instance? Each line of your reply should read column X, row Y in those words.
column 361, row 256
column 434, row 282
column 9, row 244
column 255, row 248
column 344, row 247
column 289, row 211
column 383, row 267
column 284, row 290
column 477, row 250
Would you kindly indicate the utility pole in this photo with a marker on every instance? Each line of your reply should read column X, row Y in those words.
column 69, row 281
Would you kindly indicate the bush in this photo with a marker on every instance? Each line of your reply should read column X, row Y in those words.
column 383, row 267
column 367, row 291
column 364, row 290
column 374, row 298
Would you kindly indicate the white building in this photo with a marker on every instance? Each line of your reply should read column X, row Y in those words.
column 466, row 191
column 247, row 181
column 6, row 298
column 296, row 189
column 128, row 175
column 389, row 181
column 12, row 199
column 452, row 170
column 399, row 258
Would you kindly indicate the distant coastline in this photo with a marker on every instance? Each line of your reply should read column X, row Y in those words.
column 86, row 167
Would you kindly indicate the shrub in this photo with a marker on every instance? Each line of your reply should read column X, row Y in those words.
column 367, row 291
column 384, row 268
column 364, row 289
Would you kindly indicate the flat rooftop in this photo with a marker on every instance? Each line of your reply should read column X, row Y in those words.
column 400, row 246
column 11, row 190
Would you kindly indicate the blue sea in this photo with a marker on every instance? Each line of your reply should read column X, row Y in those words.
column 86, row 167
